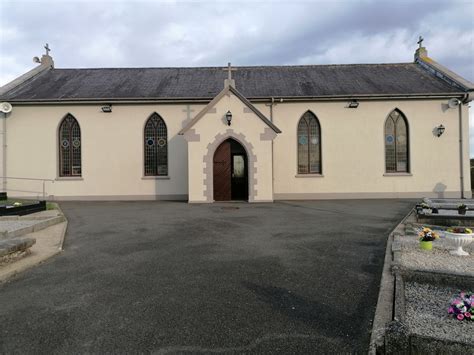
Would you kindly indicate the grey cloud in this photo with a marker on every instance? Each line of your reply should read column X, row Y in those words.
column 284, row 32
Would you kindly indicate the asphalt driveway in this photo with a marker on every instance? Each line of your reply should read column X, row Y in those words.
column 164, row 277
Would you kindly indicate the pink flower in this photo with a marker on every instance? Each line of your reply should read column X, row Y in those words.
column 450, row 310
column 460, row 317
column 467, row 315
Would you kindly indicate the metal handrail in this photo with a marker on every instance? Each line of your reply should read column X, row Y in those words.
column 30, row 179
column 21, row 178
column 14, row 190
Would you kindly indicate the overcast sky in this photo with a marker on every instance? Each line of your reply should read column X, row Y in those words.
column 201, row 33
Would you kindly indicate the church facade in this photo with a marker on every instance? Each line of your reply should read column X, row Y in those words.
column 256, row 134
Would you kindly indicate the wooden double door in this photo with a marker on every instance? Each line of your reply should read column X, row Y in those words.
column 230, row 172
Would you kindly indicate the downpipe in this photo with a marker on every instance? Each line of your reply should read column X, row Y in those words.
column 4, row 152
column 465, row 99
column 461, row 160
column 271, row 104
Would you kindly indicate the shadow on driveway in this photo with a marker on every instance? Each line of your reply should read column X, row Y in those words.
column 168, row 277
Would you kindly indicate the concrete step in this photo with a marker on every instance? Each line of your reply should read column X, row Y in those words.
column 18, row 227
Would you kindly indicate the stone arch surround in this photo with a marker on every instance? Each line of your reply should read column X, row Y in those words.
column 208, row 162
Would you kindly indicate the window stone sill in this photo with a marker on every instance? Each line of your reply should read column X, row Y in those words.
column 308, row 175
column 69, row 178
column 398, row 174
column 155, row 177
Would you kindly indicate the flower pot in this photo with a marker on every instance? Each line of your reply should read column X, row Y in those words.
column 462, row 211
column 459, row 240
column 426, row 245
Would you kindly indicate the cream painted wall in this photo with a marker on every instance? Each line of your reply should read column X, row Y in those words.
column 112, row 151
column 352, row 150
column 246, row 127
column 353, row 162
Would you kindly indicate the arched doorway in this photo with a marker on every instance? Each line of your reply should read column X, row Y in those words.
column 230, row 172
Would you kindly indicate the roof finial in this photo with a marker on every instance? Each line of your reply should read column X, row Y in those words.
column 229, row 81
column 46, row 59
column 421, row 51
column 420, row 41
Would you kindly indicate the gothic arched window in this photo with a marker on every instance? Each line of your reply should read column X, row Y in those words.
column 309, row 145
column 156, row 146
column 396, row 143
column 70, row 147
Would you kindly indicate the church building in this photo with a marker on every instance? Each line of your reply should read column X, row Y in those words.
column 250, row 133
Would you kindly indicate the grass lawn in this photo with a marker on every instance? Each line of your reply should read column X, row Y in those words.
column 51, row 206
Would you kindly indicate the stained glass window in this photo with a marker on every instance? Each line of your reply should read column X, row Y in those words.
column 309, row 145
column 70, row 147
column 156, row 146
column 396, row 143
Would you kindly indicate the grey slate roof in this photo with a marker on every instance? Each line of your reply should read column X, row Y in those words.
column 252, row 82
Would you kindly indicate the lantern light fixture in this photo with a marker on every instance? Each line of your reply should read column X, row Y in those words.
column 353, row 104
column 440, row 130
column 106, row 108
column 228, row 117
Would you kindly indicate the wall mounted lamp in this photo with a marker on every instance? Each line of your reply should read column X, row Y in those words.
column 353, row 104
column 228, row 117
column 440, row 130
column 106, row 108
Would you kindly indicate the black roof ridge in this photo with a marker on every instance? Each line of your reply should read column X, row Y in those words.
column 248, row 66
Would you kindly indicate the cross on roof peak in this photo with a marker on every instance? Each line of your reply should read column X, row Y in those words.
column 47, row 49
column 229, row 70
column 229, row 81
column 420, row 41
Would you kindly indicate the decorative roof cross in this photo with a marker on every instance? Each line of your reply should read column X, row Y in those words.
column 47, row 49
column 229, row 71
column 420, row 41
column 188, row 112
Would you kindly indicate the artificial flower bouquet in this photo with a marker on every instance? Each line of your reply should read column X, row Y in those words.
column 461, row 307
column 427, row 235
column 459, row 230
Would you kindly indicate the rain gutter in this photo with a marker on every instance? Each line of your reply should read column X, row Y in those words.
column 252, row 99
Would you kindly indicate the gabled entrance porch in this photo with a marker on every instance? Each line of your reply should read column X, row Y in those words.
column 230, row 151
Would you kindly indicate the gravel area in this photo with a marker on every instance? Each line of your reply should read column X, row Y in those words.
column 427, row 313
column 438, row 259
column 14, row 225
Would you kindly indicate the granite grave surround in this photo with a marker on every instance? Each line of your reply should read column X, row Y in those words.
column 417, row 287
column 15, row 248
